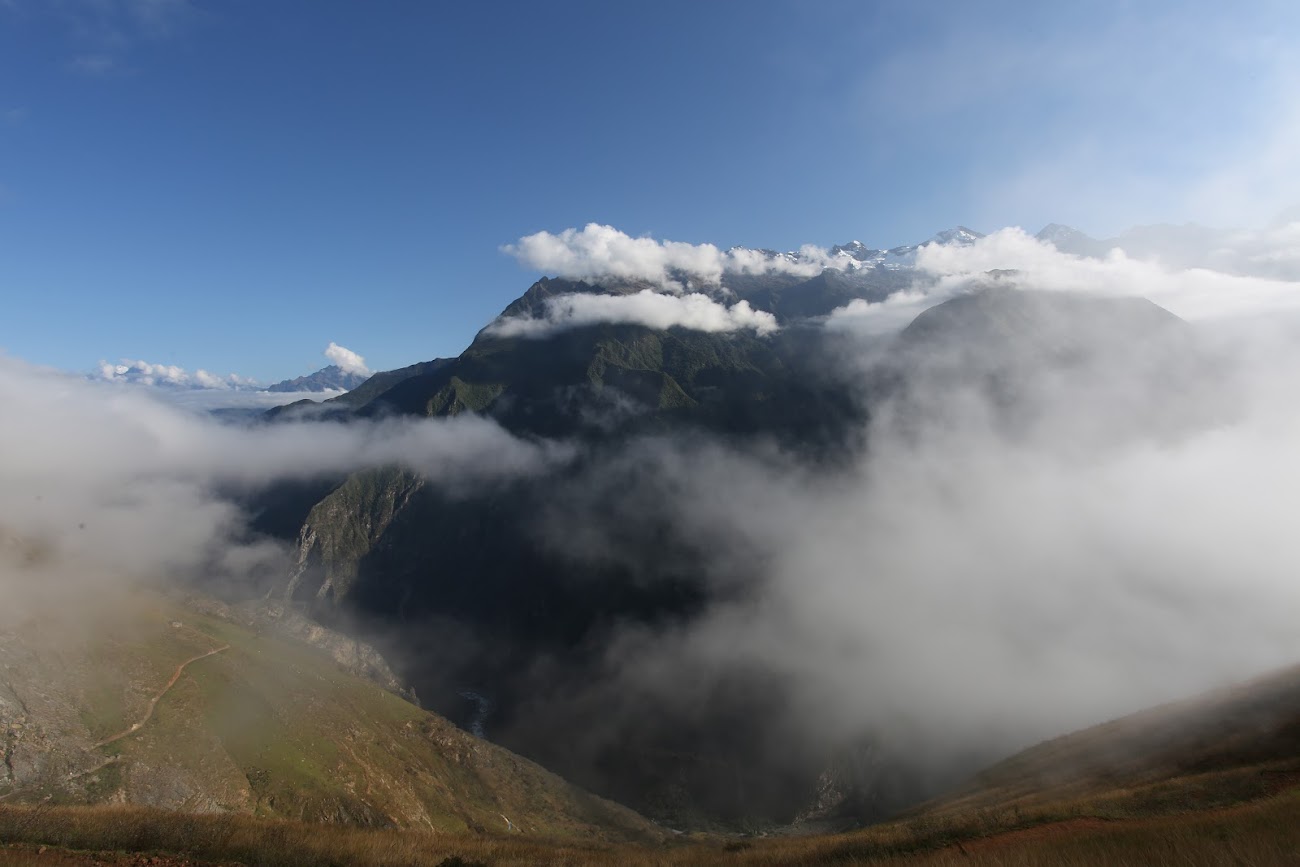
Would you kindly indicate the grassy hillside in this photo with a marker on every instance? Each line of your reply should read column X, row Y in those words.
column 1263, row 832
column 1215, row 750
column 264, row 726
column 1210, row 781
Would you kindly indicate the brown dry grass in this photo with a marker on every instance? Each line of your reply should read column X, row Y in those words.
column 1198, row 784
column 1262, row 832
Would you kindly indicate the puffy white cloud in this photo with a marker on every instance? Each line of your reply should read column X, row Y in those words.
column 597, row 251
column 603, row 251
column 140, row 372
column 346, row 360
column 652, row 309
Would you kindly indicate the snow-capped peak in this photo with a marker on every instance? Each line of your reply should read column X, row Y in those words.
column 956, row 235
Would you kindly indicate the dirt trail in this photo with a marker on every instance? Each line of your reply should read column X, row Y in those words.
column 153, row 702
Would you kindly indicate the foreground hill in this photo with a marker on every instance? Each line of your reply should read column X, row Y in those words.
column 1214, row 780
column 205, row 709
column 1216, row 749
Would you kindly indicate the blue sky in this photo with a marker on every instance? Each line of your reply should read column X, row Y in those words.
column 233, row 185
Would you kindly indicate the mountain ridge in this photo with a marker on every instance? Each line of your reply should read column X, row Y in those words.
column 329, row 378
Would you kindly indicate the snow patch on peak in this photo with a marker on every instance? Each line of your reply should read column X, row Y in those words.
column 956, row 235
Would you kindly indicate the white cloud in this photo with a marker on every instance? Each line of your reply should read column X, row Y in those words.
column 1245, row 275
column 651, row 309
column 117, row 485
column 346, row 360
column 881, row 317
column 1192, row 293
column 597, row 251
column 1273, row 252
column 140, row 372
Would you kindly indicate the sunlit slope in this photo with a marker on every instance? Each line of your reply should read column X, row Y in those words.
column 264, row 725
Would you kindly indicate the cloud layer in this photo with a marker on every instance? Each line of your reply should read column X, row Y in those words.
column 647, row 307
column 1263, row 284
column 142, row 372
column 116, row 486
column 1199, row 275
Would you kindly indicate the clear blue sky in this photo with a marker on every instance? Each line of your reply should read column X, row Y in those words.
column 231, row 185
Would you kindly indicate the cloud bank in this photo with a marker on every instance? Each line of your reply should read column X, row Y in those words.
column 1264, row 282
column 116, row 486
column 647, row 307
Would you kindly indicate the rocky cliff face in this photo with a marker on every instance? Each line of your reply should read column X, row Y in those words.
column 341, row 531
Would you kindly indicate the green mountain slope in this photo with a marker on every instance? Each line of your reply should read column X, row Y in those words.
column 256, row 722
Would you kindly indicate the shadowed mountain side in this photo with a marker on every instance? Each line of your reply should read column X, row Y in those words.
column 601, row 380
column 384, row 380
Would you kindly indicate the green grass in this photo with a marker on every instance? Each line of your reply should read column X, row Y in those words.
column 274, row 728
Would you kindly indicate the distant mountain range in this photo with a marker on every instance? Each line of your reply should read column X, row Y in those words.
column 175, row 378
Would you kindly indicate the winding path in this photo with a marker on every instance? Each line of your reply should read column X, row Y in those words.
column 153, row 702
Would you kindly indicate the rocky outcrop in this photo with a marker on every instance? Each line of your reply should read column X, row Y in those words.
column 341, row 531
